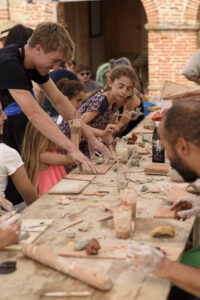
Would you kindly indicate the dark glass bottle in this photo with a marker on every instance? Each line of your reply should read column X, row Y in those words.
column 158, row 152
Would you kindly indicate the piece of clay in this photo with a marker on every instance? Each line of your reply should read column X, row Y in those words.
column 63, row 200
column 135, row 162
column 175, row 176
column 149, row 126
column 24, row 235
column 134, row 137
column 147, row 138
column 122, row 184
column 100, row 161
column 93, row 247
column 82, row 243
column 130, row 141
column 125, row 138
column 135, row 155
column 130, row 151
column 144, row 189
column 83, row 228
column 115, row 167
column 141, row 144
column 163, row 231
column 71, row 232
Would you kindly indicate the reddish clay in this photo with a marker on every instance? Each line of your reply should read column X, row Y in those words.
column 93, row 247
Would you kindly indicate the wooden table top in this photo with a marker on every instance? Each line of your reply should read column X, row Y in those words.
column 32, row 279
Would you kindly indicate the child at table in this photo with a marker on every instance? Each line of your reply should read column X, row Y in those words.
column 99, row 110
column 43, row 163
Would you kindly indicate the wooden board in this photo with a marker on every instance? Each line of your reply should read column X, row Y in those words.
column 68, row 186
column 31, row 224
column 112, row 251
column 85, row 177
column 101, row 169
column 170, row 88
column 176, row 192
column 164, row 212
column 157, row 169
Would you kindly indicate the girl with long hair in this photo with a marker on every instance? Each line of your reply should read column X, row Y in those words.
column 43, row 163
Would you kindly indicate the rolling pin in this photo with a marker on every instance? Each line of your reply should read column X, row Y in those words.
column 46, row 257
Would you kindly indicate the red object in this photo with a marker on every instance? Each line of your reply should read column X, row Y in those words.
column 158, row 116
column 164, row 111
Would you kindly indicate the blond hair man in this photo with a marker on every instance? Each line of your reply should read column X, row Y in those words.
column 49, row 45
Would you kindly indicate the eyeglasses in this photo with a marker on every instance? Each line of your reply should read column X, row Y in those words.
column 85, row 73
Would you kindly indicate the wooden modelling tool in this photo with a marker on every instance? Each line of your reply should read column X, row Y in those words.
column 46, row 257
column 118, row 161
column 70, row 225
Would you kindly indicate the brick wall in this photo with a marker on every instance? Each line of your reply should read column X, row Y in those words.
column 26, row 13
column 173, row 36
column 173, row 32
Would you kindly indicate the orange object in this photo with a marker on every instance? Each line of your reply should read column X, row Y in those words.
column 95, row 279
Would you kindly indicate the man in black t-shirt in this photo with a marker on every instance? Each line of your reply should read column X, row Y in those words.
column 49, row 45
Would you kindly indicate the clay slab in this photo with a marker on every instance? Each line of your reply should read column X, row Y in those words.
column 164, row 212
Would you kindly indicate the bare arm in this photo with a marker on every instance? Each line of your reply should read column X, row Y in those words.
column 183, row 276
column 62, row 104
column 39, row 95
column 10, row 227
column 46, row 126
column 132, row 103
column 56, row 159
column 23, row 185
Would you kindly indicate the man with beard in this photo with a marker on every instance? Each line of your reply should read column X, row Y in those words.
column 180, row 135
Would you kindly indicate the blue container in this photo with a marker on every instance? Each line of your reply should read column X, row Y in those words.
column 147, row 104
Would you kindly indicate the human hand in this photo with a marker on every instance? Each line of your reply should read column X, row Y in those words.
column 10, row 229
column 174, row 192
column 126, row 117
column 143, row 258
column 95, row 144
column 81, row 160
column 5, row 204
column 187, row 206
column 108, row 133
column 75, row 125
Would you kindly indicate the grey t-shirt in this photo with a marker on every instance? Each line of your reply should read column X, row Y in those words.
column 192, row 67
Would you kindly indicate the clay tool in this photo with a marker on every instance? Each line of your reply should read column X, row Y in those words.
column 105, row 218
column 70, row 225
column 118, row 161
column 66, row 294
column 97, row 193
column 79, row 212
column 71, row 268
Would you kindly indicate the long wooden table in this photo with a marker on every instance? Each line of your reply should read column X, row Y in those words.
column 32, row 279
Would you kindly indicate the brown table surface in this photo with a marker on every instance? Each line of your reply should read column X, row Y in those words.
column 31, row 278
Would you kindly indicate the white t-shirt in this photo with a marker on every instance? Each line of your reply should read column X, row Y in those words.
column 10, row 161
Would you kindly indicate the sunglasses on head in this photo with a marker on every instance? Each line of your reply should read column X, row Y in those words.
column 85, row 73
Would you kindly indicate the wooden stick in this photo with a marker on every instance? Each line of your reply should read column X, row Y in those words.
column 70, row 225
column 66, row 294
column 93, row 278
column 105, row 218
column 118, row 161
